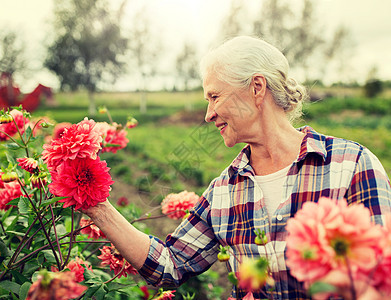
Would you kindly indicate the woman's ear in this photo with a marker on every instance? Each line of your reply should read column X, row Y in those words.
column 259, row 87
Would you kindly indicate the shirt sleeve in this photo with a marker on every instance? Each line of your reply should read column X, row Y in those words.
column 187, row 252
column 371, row 186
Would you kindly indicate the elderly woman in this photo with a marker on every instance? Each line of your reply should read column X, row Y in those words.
column 251, row 99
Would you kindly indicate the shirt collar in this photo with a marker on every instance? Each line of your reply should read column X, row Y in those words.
column 313, row 142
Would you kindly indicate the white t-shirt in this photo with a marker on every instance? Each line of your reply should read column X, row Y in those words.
column 272, row 188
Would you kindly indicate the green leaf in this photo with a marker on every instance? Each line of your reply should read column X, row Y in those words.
column 115, row 286
column 24, row 206
column 7, row 213
column 51, row 200
column 24, row 289
column 12, row 146
column 14, row 201
column 4, row 252
column 321, row 287
column 92, row 291
column 27, row 133
column 19, row 277
column 10, row 159
column 49, row 256
column 10, row 286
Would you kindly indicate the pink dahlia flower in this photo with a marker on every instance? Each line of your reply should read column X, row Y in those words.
column 76, row 267
column 112, row 134
column 27, row 163
column 175, row 205
column 60, row 286
column 59, row 129
column 111, row 257
column 79, row 140
column 92, row 230
column 381, row 278
column 10, row 128
column 324, row 235
column 9, row 192
column 85, row 182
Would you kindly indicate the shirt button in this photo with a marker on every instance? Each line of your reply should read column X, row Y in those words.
column 279, row 217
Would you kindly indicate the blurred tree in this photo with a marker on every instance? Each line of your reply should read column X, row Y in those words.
column 233, row 24
column 144, row 48
column 373, row 86
column 11, row 60
column 11, row 53
column 88, row 47
column 186, row 65
column 296, row 32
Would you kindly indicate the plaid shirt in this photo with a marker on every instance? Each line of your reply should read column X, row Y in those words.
column 232, row 208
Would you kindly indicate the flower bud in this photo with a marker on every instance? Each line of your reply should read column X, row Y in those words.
column 5, row 118
column 102, row 110
column 37, row 181
column 9, row 176
column 131, row 123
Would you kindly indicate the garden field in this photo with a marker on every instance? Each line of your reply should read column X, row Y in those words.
column 172, row 149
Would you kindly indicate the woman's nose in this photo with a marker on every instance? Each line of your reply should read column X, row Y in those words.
column 210, row 113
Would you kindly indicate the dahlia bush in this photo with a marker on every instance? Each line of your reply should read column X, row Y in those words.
column 48, row 249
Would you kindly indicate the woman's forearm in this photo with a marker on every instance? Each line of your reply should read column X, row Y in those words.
column 130, row 242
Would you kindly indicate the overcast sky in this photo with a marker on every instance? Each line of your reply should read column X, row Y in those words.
column 198, row 21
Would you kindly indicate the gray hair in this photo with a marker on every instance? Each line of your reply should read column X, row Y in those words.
column 239, row 59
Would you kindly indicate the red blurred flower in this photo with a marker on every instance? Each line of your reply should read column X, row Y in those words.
column 117, row 136
column 27, row 163
column 80, row 140
column 59, row 286
column 85, row 182
column 131, row 123
column 9, row 192
column 93, row 231
column 122, row 201
column 165, row 295
column 110, row 256
column 175, row 205
column 1, row 181
column 10, row 128
column 76, row 266
column 145, row 291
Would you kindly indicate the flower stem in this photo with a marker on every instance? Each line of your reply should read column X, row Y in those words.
column 55, row 234
column 42, row 225
column 110, row 280
column 71, row 238
column 352, row 287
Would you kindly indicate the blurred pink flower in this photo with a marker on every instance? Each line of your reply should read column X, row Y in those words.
column 113, row 134
column 80, row 140
column 111, row 257
column 165, row 295
column 324, row 235
column 93, row 231
column 249, row 296
column 85, row 182
column 381, row 278
column 28, row 164
column 59, row 286
column 175, row 205
column 10, row 128
column 9, row 192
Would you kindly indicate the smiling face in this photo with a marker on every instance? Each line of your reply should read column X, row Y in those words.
column 232, row 109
